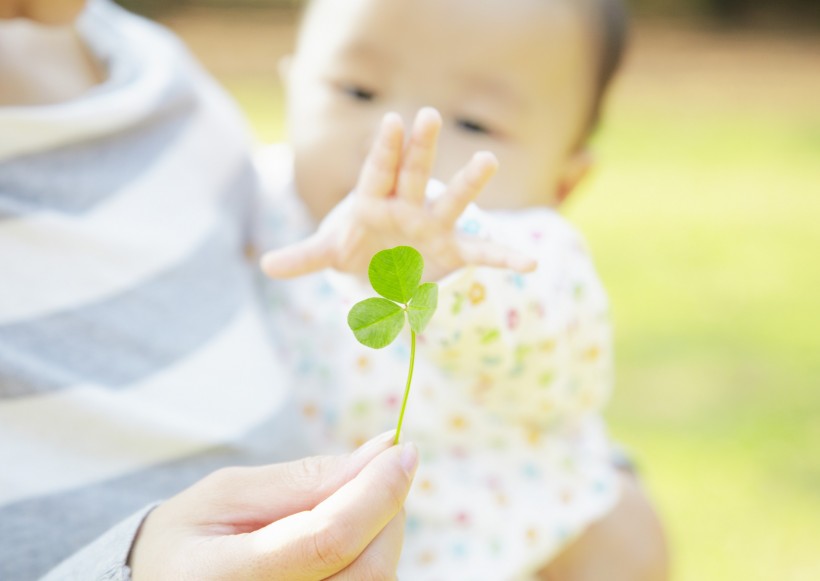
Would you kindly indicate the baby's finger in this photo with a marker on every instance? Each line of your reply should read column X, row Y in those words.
column 465, row 187
column 298, row 259
column 485, row 253
column 419, row 157
column 378, row 176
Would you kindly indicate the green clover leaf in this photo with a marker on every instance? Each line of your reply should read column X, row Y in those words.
column 376, row 322
column 422, row 306
column 395, row 273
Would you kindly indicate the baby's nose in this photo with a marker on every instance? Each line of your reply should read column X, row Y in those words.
column 408, row 116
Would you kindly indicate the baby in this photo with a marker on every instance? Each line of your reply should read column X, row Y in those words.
column 514, row 369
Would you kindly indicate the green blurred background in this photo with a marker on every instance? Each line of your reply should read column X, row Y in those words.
column 704, row 219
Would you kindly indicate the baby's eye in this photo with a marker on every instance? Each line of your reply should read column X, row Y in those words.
column 473, row 126
column 358, row 93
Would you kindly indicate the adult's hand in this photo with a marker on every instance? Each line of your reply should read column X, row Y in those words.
column 334, row 517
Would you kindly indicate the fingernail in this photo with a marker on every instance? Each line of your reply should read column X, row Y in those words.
column 430, row 112
column 380, row 442
column 487, row 157
column 409, row 458
column 391, row 117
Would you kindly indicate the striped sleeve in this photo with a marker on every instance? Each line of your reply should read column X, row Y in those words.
column 133, row 358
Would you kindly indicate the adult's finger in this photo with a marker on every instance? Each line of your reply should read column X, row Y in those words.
column 419, row 156
column 321, row 542
column 378, row 176
column 379, row 561
column 304, row 257
column 465, row 187
column 244, row 499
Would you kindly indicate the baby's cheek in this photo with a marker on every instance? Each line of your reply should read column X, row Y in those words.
column 519, row 184
column 318, row 181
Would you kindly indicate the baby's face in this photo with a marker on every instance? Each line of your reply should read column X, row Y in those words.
column 513, row 77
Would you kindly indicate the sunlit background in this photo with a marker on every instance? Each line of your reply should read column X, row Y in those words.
column 704, row 218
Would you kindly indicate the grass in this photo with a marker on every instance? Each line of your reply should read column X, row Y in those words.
column 705, row 230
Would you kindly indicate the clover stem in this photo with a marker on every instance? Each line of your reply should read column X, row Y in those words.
column 407, row 389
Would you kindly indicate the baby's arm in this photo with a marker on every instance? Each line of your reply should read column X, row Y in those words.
column 388, row 208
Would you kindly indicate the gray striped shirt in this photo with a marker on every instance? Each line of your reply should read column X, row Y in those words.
column 133, row 358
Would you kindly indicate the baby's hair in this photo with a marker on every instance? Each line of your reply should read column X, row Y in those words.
column 611, row 29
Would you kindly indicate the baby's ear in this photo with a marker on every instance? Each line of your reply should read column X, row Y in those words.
column 283, row 67
column 576, row 168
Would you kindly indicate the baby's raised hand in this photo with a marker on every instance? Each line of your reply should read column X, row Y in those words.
column 389, row 207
